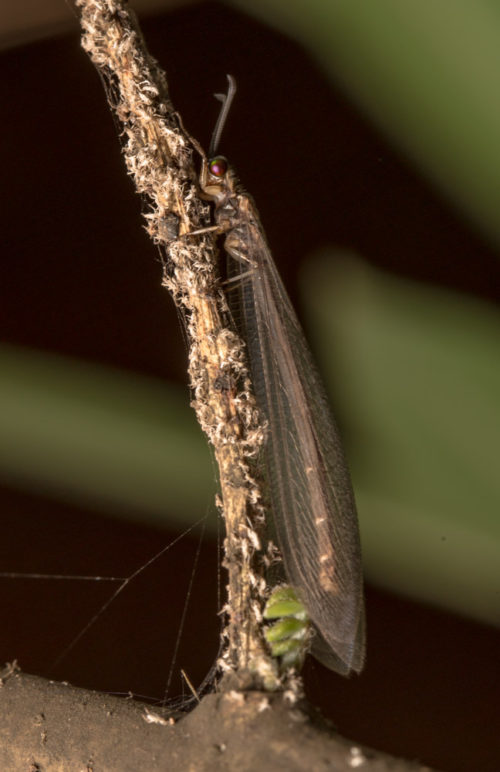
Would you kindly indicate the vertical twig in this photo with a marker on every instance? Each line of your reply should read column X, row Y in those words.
column 159, row 157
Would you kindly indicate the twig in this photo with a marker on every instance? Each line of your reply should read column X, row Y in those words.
column 159, row 157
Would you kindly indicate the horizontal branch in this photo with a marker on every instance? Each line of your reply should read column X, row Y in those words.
column 53, row 727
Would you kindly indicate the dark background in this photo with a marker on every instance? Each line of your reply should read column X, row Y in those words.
column 79, row 277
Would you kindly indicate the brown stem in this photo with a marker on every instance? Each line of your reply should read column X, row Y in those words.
column 159, row 157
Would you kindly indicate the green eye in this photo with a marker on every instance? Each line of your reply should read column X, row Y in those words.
column 218, row 166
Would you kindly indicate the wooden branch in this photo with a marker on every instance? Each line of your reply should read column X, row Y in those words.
column 51, row 727
column 159, row 156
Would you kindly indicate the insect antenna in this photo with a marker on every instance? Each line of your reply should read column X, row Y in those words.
column 226, row 100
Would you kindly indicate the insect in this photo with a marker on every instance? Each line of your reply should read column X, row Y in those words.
column 309, row 488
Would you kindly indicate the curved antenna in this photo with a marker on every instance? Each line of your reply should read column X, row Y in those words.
column 226, row 100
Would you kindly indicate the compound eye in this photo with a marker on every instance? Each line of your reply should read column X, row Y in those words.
column 218, row 166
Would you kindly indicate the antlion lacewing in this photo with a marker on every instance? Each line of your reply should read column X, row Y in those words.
column 310, row 491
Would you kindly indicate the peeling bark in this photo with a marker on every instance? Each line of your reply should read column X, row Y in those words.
column 160, row 157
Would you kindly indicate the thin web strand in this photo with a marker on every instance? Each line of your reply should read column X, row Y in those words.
column 184, row 613
column 117, row 592
column 75, row 577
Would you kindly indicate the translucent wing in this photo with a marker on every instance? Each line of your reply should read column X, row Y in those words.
column 309, row 486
